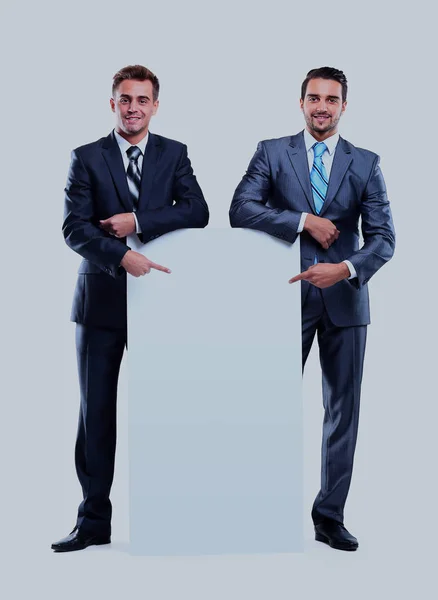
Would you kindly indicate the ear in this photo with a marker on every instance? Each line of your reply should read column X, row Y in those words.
column 344, row 106
column 112, row 104
column 301, row 103
column 156, row 105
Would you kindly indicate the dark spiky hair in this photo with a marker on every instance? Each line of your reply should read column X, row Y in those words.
column 326, row 73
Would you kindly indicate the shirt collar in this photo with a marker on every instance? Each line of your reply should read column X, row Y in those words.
column 124, row 144
column 330, row 142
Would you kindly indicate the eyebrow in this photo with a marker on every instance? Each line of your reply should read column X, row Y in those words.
column 139, row 97
column 331, row 97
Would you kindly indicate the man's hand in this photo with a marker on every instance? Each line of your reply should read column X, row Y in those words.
column 322, row 230
column 119, row 225
column 323, row 275
column 136, row 264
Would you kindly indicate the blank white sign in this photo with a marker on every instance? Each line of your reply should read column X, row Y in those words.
column 214, row 361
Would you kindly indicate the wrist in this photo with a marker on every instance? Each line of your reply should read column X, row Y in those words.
column 125, row 257
column 308, row 222
column 344, row 271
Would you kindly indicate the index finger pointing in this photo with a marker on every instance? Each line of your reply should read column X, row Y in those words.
column 160, row 267
column 303, row 275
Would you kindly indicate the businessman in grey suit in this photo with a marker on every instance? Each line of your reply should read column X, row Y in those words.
column 315, row 186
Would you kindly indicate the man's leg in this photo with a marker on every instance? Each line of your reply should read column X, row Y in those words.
column 312, row 312
column 342, row 351
column 99, row 354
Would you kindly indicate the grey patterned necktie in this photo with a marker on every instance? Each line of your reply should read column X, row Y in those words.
column 133, row 173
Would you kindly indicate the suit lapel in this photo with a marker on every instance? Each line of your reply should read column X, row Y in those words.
column 298, row 158
column 113, row 158
column 341, row 162
column 151, row 156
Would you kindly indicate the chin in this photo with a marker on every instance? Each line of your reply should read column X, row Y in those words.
column 323, row 128
column 132, row 131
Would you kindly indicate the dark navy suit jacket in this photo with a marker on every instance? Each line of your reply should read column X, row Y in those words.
column 276, row 190
column 170, row 198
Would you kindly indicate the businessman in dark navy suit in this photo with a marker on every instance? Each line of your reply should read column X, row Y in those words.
column 315, row 186
column 132, row 181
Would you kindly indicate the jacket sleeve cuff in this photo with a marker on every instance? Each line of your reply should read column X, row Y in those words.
column 301, row 223
column 352, row 270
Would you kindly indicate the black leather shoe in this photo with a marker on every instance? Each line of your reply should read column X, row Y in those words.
column 78, row 541
column 335, row 535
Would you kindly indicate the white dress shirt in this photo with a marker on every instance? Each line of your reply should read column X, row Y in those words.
column 124, row 145
column 327, row 159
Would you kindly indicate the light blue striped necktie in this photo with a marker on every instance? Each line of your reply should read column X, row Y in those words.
column 318, row 176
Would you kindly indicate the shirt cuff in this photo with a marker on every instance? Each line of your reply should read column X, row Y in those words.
column 352, row 270
column 137, row 226
column 301, row 223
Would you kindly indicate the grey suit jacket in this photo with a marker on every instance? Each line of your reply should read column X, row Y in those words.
column 276, row 190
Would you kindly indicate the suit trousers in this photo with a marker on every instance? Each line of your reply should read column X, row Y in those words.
column 341, row 352
column 99, row 354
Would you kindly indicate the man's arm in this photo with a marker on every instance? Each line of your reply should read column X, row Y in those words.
column 248, row 207
column 80, row 232
column 377, row 229
column 188, row 211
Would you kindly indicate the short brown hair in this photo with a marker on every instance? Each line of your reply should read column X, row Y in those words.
column 139, row 73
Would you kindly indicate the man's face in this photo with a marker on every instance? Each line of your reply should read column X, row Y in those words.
column 133, row 106
column 323, row 107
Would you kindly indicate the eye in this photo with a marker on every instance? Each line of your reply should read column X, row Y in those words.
column 143, row 101
column 123, row 100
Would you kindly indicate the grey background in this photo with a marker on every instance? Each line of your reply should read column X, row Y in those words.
column 230, row 76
